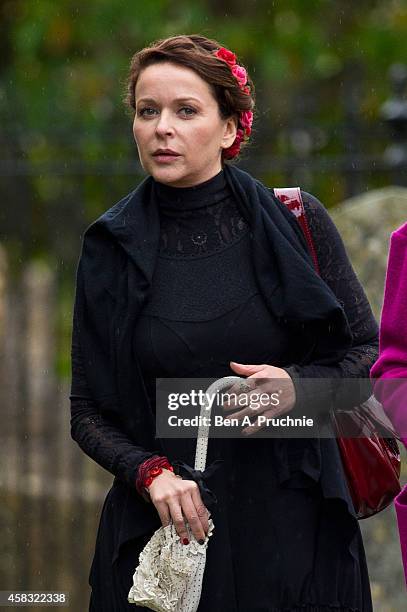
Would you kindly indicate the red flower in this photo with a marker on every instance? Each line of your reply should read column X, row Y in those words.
column 226, row 55
column 232, row 151
column 246, row 119
column 239, row 135
column 240, row 73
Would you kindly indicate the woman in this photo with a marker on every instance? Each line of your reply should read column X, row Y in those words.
column 392, row 362
column 159, row 294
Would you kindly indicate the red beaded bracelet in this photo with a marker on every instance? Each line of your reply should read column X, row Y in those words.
column 148, row 470
column 155, row 471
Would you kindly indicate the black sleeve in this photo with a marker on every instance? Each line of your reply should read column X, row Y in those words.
column 336, row 270
column 100, row 438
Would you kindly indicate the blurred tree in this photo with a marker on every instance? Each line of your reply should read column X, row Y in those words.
column 66, row 142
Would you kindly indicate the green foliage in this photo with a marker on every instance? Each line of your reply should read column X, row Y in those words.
column 67, row 61
column 62, row 71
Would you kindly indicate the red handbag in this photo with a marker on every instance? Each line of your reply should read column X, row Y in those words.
column 371, row 459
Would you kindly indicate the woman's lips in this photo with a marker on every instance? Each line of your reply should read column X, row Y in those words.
column 165, row 158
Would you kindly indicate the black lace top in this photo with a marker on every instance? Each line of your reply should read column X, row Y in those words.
column 205, row 310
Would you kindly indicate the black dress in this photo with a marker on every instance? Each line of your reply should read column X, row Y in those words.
column 278, row 544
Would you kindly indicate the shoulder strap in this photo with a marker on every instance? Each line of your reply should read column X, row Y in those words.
column 292, row 199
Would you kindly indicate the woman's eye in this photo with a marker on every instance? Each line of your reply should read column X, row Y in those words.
column 142, row 111
column 188, row 108
column 148, row 108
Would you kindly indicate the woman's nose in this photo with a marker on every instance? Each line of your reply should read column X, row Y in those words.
column 164, row 125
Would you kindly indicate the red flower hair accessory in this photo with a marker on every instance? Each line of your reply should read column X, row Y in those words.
column 245, row 117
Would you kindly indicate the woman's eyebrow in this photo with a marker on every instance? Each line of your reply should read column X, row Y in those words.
column 182, row 99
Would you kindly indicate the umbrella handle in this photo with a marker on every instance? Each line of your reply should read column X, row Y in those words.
column 206, row 407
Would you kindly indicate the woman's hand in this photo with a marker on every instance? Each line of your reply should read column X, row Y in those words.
column 178, row 499
column 276, row 385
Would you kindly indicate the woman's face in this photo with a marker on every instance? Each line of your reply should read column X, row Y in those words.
column 176, row 110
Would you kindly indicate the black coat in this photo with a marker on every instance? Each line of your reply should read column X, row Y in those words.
column 113, row 279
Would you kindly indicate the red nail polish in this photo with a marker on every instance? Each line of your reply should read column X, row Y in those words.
column 185, row 541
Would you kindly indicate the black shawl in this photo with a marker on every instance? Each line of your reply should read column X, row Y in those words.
column 114, row 275
column 115, row 271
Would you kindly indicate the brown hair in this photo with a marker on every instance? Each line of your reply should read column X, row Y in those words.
column 195, row 52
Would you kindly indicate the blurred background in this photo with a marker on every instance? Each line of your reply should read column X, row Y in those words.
column 331, row 81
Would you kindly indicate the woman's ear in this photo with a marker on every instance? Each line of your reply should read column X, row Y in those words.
column 230, row 131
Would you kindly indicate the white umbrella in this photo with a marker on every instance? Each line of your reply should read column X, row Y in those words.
column 169, row 575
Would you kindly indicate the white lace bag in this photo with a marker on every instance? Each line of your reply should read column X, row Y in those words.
column 169, row 575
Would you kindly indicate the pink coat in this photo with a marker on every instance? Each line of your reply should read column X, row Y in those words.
column 392, row 362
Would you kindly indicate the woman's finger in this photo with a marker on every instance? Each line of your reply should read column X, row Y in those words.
column 163, row 512
column 241, row 387
column 246, row 411
column 201, row 509
column 192, row 517
column 178, row 519
column 256, row 426
column 191, row 514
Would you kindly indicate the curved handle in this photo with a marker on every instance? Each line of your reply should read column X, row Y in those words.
column 203, row 431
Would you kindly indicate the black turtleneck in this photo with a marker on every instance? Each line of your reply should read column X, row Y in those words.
column 200, row 220
column 205, row 308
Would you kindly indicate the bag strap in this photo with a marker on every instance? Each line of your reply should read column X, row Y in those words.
column 292, row 199
column 205, row 416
